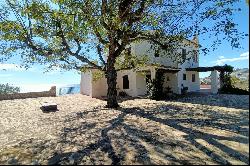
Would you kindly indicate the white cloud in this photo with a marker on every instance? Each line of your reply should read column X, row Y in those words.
column 12, row 67
column 246, row 54
column 222, row 60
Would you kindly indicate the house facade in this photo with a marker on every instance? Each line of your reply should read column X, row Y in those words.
column 134, row 82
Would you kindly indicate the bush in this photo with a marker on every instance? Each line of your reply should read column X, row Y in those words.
column 123, row 94
column 155, row 87
column 184, row 90
column 8, row 89
column 233, row 90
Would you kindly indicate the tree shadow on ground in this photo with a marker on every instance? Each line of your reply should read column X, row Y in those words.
column 215, row 100
column 124, row 139
column 154, row 133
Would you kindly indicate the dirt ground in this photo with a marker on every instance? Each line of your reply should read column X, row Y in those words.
column 209, row 129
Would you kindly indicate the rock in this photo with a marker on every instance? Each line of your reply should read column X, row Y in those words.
column 49, row 107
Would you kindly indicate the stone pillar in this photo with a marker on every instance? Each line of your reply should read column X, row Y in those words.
column 52, row 91
column 214, row 82
column 153, row 73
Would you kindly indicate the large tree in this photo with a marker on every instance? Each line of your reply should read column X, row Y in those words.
column 72, row 34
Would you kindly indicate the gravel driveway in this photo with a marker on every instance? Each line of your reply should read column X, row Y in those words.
column 211, row 129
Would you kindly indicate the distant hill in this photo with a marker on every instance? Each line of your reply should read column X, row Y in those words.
column 241, row 74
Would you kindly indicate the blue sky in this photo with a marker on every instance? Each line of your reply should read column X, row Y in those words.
column 34, row 79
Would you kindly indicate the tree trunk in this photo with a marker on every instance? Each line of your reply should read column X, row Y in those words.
column 111, row 76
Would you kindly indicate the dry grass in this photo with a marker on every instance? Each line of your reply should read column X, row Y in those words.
column 198, row 130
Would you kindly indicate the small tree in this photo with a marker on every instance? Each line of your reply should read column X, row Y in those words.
column 8, row 89
column 225, row 76
column 75, row 34
column 155, row 86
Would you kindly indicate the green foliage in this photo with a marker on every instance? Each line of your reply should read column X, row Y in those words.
column 97, row 75
column 71, row 34
column 155, row 87
column 67, row 33
column 229, row 83
column 233, row 90
column 241, row 84
column 8, row 89
column 225, row 76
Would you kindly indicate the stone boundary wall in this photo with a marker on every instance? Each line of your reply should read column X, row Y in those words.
column 50, row 93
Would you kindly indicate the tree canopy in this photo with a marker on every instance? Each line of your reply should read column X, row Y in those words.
column 73, row 34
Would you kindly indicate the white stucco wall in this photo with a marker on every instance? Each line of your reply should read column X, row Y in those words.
column 132, row 82
column 99, row 87
column 189, row 63
column 145, row 48
column 192, row 86
column 141, row 86
column 137, row 82
column 86, row 83
column 172, row 83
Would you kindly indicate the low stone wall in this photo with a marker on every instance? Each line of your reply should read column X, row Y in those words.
column 50, row 93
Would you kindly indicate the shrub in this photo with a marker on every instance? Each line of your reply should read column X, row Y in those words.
column 155, row 87
column 184, row 90
column 123, row 94
column 233, row 90
column 8, row 89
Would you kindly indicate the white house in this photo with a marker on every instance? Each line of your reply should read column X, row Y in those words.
column 133, row 82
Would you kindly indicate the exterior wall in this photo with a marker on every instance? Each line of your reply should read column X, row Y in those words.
column 189, row 63
column 141, row 85
column 192, row 86
column 172, row 83
column 99, row 87
column 132, row 91
column 86, row 83
column 144, row 48
column 50, row 93
column 137, row 82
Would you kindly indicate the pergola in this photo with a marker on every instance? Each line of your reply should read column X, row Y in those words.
column 214, row 76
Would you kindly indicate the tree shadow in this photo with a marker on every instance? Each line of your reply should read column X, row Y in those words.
column 147, row 135
column 212, row 139
column 133, row 136
column 215, row 100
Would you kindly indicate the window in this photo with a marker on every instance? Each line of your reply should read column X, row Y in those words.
column 193, row 77
column 184, row 77
column 195, row 56
column 157, row 54
column 184, row 54
column 125, row 82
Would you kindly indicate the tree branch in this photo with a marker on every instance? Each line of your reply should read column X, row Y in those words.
column 76, row 54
